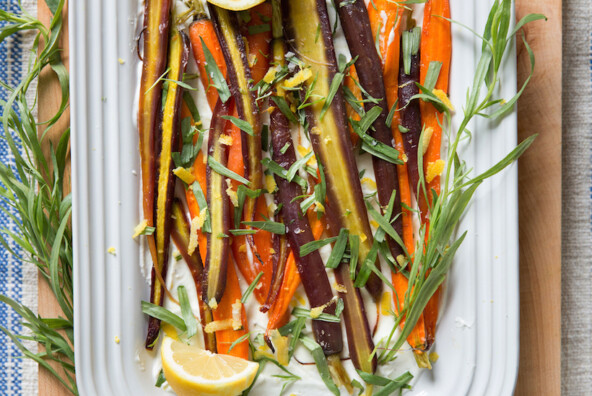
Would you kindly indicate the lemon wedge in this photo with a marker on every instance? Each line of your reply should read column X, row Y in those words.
column 236, row 5
column 192, row 371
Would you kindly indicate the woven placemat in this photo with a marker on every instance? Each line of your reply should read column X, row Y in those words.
column 576, row 199
column 18, row 280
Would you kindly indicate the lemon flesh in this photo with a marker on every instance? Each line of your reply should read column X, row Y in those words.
column 192, row 371
column 236, row 5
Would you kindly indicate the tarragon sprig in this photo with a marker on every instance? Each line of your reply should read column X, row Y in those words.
column 434, row 256
column 35, row 189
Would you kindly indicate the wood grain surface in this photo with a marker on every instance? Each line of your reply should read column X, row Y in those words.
column 539, row 111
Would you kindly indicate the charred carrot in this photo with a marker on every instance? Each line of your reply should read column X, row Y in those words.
column 436, row 46
column 241, row 87
column 257, row 32
column 165, row 181
column 202, row 30
column 180, row 235
column 157, row 21
column 227, row 311
column 345, row 204
column 214, row 280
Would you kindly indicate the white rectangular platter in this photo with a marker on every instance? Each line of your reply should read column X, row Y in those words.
column 477, row 337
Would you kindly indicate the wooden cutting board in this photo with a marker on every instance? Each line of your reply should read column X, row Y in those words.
column 539, row 193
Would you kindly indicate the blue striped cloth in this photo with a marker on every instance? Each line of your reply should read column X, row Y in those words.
column 17, row 280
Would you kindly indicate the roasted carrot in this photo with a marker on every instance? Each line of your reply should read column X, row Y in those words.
column 383, row 16
column 216, row 264
column 165, row 181
column 350, row 83
column 329, row 136
column 180, row 234
column 203, row 29
column 280, row 309
column 391, row 57
column 263, row 257
column 157, row 21
column 358, row 33
column 241, row 88
column 232, row 296
column 410, row 113
column 257, row 31
column 436, row 46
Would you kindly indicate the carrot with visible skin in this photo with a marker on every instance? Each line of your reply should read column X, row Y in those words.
column 180, row 235
column 350, row 83
column 258, row 34
column 224, row 338
column 263, row 239
column 279, row 309
column 391, row 58
column 203, row 29
column 376, row 10
column 436, row 45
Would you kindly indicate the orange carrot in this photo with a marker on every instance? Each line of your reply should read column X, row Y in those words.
column 258, row 34
column 263, row 239
column 203, row 29
column 381, row 26
column 436, row 45
column 390, row 55
column 199, row 171
column 224, row 338
column 350, row 83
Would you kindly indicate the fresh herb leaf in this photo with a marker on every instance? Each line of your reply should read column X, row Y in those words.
column 305, row 313
column 214, row 74
column 335, row 85
column 338, row 249
column 240, row 339
column 241, row 124
column 310, row 247
column 269, row 226
column 410, row 43
column 354, row 249
column 297, row 165
column 284, row 107
column 158, row 312
column 321, row 363
column 280, row 171
column 187, row 312
column 161, row 379
column 224, row 171
column 251, row 287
